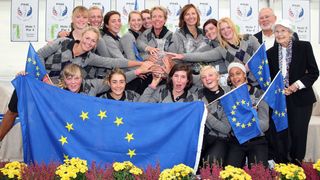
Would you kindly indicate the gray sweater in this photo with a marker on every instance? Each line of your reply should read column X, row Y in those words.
column 163, row 95
column 113, row 46
column 59, row 53
column 126, row 43
column 148, row 38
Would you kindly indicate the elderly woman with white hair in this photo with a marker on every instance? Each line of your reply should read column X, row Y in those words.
column 298, row 66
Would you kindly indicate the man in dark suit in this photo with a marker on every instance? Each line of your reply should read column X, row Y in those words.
column 267, row 18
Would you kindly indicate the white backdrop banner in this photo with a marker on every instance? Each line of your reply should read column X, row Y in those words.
column 298, row 12
column 174, row 9
column 124, row 7
column 58, row 17
column 102, row 4
column 244, row 13
column 24, row 20
column 208, row 9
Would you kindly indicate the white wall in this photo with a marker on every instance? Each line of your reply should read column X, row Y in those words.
column 13, row 54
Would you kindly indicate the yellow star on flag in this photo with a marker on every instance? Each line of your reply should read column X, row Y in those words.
column 129, row 137
column 34, row 62
column 234, row 119
column 243, row 101
column 253, row 119
column 131, row 153
column 266, row 61
column 233, row 112
column 259, row 72
column 84, row 115
column 238, row 124
column 249, row 124
column 102, row 114
column 69, row 126
column 283, row 114
column 261, row 79
column 260, row 67
column 29, row 60
column 238, row 103
column 38, row 74
column 37, row 68
column 118, row 121
column 63, row 140
column 243, row 126
column 234, row 107
column 276, row 112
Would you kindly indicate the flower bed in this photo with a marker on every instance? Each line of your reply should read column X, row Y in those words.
column 76, row 168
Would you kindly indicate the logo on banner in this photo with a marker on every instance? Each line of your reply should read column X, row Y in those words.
column 59, row 11
column 205, row 9
column 99, row 5
column 24, row 11
column 296, row 12
column 128, row 7
column 244, row 11
column 174, row 10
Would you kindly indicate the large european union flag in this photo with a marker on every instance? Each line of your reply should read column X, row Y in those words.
column 34, row 67
column 58, row 123
column 259, row 66
column 243, row 118
column 276, row 99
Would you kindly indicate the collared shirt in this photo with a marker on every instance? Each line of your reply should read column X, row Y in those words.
column 115, row 37
column 268, row 40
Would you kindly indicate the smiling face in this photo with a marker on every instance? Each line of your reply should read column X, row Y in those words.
column 135, row 21
column 191, row 17
column 117, row 84
column 146, row 20
column 114, row 24
column 282, row 35
column 266, row 19
column 158, row 19
column 211, row 31
column 210, row 79
column 95, row 17
column 226, row 31
column 80, row 20
column 179, row 81
column 237, row 76
column 89, row 40
column 73, row 83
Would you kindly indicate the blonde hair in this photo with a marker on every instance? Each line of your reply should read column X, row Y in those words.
column 208, row 67
column 236, row 36
column 164, row 10
column 134, row 12
column 92, row 29
column 69, row 70
column 79, row 10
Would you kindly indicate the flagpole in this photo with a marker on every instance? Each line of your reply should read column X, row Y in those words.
column 225, row 94
column 255, row 53
column 264, row 94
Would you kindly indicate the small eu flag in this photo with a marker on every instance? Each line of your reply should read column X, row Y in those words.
column 34, row 67
column 276, row 99
column 258, row 65
column 241, row 115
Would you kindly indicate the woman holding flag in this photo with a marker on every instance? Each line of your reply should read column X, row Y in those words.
column 256, row 148
column 217, row 127
column 298, row 66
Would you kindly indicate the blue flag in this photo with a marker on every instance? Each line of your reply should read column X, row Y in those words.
column 136, row 52
column 259, row 66
column 34, row 67
column 58, row 123
column 243, row 118
column 276, row 99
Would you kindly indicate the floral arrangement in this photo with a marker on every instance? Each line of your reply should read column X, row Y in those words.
column 316, row 166
column 180, row 171
column 234, row 173
column 289, row 171
column 126, row 170
column 72, row 168
column 13, row 170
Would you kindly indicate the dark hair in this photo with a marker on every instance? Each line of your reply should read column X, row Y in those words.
column 113, row 72
column 145, row 11
column 107, row 18
column 180, row 67
column 209, row 21
column 184, row 11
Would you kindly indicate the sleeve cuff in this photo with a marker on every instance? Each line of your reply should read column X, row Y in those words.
column 300, row 84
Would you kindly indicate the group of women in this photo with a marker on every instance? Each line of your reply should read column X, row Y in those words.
column 158, row 65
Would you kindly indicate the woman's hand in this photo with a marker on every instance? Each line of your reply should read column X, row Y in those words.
column 175, row 56
column 152, row 50
column 63, row 34
column 167, row 64
column 21, row 73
